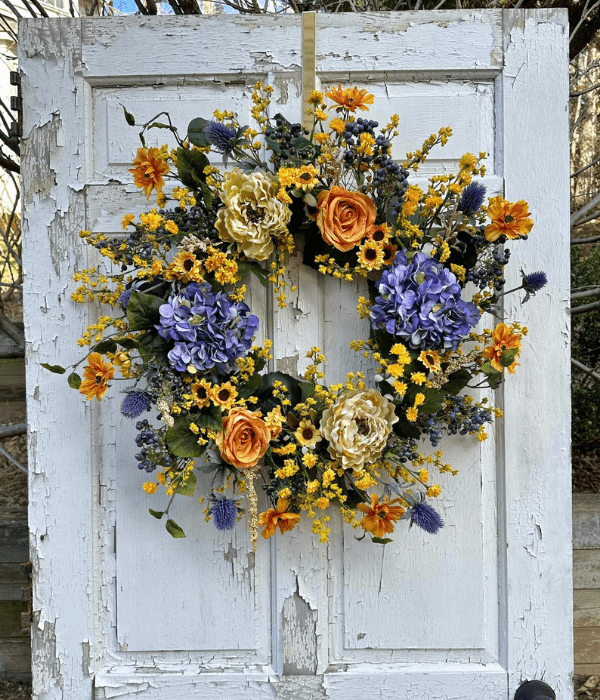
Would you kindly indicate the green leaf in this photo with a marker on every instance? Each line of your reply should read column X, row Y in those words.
column 129, row 118
column 190, row 167
column 143, row 311
column 209, row 419
column 404, row 427
column 249, row 387
column 381, row 540
column 207, row 195
column 196, row 132
column 494, row 377
column 74, row 380
column 310, row 199
column 301, row 143
column 273, row 146
column 57, row 369
column 307, row 389
column 508, row 357
column 142, row 139
column 127, row 343
column 456, row 382
column 156, row 513
column 180, row 439
column 434, row 400
column 188, row 487
column 153, row 347
column 174, row 530
column 487, row 368
column 259, row 272
column 160, row 125
column 105, row 346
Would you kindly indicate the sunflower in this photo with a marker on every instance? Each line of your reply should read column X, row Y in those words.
column 503, row 339
column 431, row 359
column 201, row 393
column 510, row 220
column 351, row 98
column 185, row 267
column 303, row 178
column 381, row 234
column 307, row 435
column 96, row 376
column 389, row 253
column 370, row 255
column 150, row 166
column 224, row 395
column 278, row 517
column 380, row 517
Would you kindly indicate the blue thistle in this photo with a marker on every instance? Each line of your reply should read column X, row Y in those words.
column 472, row 198
column 224, row 513
column 425, row 517
column 135, row 403
column 534, row 281
column 222, row 137
column 124, row 299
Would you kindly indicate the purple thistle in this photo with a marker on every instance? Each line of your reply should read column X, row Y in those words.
column 534, row 281
column 124, row 299
column 472, row 198
column 222, row 137
column 425, row 517
column 135, row 403
column 224, row 513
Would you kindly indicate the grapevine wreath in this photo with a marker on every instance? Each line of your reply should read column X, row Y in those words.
column 179, row 331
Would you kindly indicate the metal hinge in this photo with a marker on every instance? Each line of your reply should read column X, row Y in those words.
column 16, row 105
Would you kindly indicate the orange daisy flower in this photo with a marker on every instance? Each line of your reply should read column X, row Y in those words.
column 509, row 219
column 150, row 166
column 96, row 376
column 278, row 518
column 503, row 339
column 351, row 98
column 380, row 517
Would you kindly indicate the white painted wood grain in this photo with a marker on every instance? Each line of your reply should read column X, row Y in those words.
column 466, row 614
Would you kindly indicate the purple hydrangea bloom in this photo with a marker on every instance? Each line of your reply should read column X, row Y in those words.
column 209, row 329
column 425, row 517
column 224, row 513
column 472, row 198
column 534, row 281
column 419, row 302
column 222, row 137
column 135, row 403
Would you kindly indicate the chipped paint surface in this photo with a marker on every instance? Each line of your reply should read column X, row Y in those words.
column 121, row 612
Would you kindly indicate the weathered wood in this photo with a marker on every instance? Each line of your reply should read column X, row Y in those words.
column 587, row 645
column 586, row 568
column 10, row 619
column 12, row 580
column 15, row 659
column 587, row 670
column 14, row 536
column 586, row 608
column 586, row 521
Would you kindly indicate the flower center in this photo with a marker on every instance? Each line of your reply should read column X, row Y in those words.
column 307, row 434
column 508, row 219
column 224, row 395
column 253, row 214
column 188, row 265
column 201, row 393
column 99, row 379
column 307, row 177
column 371, row 254
column 378, row 236
column 363, row 426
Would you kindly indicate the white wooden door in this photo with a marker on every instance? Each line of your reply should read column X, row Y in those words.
column 121, row 609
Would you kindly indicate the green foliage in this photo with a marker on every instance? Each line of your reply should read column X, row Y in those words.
column 585, row 391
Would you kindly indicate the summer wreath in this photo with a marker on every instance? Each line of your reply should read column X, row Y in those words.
column 180, row 329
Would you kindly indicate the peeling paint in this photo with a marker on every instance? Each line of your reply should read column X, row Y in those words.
column 299, row 624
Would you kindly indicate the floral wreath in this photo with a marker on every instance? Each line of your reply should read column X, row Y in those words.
column 179, row 328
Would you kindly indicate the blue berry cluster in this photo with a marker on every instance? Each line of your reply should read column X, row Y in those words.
column 433, row 429
column 491, row 270
column 284, row 144
column 148, row 440
column 464, row 418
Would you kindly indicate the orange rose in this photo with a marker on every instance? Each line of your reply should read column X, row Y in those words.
column 345, row 218
column 244, row 438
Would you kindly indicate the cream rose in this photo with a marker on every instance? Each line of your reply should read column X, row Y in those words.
column 244, row 438
column 252, row 215
column 357, row 427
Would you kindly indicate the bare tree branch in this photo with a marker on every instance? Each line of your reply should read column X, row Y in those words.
column 585, row 369
column 583, row 295
column 584, row 241
column 583, row 92
column 585, row 308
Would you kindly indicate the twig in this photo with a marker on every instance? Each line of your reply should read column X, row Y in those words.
column 586, row 167
column 585, row 209
column 585, row 308
column 583, row 241
column 585, row 294
column 7, row 431
column 582, row 92
column 13, row 460
column 585, row 369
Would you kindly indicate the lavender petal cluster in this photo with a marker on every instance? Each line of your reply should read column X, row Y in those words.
column 419, row 302
column 224, row 513
column 222, row 137
column 209, row 329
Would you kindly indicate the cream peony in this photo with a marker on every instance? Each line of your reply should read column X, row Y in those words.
column 252, row 214
column 357, row 427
